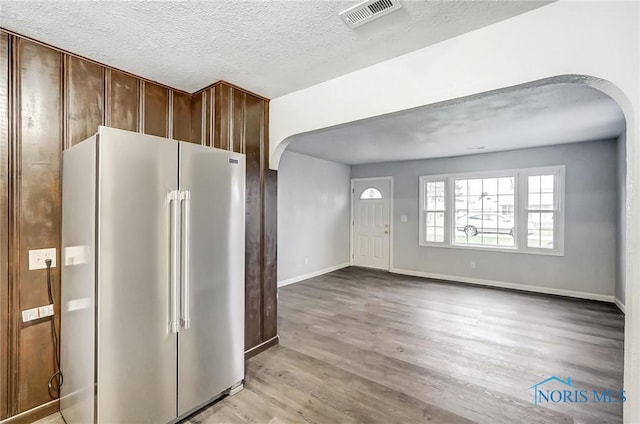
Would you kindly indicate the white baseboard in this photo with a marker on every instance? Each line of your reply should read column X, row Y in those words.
column 619, row 304
column 505, row 285
column 311, row 275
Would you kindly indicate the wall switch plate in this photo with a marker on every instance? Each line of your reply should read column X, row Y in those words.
column 37, row 313
column 404, row 218
column 38, row 256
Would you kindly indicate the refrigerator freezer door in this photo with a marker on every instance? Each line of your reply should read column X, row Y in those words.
column 211, row 349
column 137, row 351
column 78, row 282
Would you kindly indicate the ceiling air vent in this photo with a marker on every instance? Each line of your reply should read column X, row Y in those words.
column 367, row 11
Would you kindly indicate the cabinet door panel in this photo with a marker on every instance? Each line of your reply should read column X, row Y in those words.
column 124, row 102
column 4, row 222
column 85, row 98
column 196, row 119
column 156, row 109
column 40, row 120
column 181, row 116
column 253, row 247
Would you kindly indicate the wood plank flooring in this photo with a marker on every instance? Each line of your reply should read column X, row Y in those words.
column 364, row 346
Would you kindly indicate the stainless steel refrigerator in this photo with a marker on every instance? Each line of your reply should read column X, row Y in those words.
column 152, row 278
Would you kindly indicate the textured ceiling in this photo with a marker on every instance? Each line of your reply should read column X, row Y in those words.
column 516, row 119
column 271, row 47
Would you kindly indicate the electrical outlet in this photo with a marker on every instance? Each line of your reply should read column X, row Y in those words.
column 38, row 257
column 45, row 311
column 37, row 313
column 306, row 261
column 473, row 264
column 30, row 314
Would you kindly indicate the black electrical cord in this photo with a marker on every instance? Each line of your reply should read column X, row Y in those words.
column 57, row 377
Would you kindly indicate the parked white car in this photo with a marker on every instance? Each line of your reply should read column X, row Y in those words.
column 485, row 223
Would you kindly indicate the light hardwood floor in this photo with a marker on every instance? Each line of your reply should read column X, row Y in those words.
column 365, row 346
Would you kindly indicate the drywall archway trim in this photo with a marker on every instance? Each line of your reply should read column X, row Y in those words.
column 350, row 152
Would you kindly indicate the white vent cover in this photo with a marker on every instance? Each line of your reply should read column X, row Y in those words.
column 367, row 11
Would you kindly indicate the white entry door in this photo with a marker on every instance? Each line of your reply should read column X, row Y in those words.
column 370, row 220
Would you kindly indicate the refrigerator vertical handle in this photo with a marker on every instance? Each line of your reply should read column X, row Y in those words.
column 174, row 204
column 185, row 196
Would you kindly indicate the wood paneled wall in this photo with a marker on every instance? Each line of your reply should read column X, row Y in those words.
column 230, row 118
column 4, row 224
column 50, row 100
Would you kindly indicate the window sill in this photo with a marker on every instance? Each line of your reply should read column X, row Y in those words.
column 554, row 252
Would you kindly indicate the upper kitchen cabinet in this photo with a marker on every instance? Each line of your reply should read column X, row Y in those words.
column 84, row 98
column 155, row 109
column 181, row 116
column 123, row 100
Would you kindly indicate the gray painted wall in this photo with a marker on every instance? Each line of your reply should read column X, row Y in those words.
column 590, row 261
column 313, row 215
column 622, row 228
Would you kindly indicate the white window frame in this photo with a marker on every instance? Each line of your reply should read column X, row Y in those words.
column 520, row 202
column 558, row 219
column 422, row 212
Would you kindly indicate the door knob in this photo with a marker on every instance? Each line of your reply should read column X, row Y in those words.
column 386, row 232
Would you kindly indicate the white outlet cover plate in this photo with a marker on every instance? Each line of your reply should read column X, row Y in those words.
column 45, row 311
column 37, row 313
column 404, row 218
column 38, row 256
column 29, row 315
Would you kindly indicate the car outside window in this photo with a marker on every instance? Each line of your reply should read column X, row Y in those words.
column 513, row 210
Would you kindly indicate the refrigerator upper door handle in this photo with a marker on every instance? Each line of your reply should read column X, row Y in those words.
column 185, row 196
column 174, row 204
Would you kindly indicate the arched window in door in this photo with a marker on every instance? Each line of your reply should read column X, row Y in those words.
column 371, row 193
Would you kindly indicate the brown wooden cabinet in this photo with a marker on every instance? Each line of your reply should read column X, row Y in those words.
column 83, row 98
column 4, row 225
column 230, row 118
column 122, row 100
column 50, row 100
